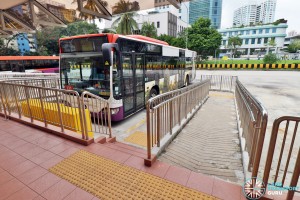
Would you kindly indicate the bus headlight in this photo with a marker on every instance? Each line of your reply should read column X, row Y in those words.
column 114, row 111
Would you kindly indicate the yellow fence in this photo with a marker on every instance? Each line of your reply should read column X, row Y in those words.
column 248, row 66
column 69, row 115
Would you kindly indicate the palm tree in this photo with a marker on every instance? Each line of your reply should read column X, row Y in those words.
column 149, row 29
column 125, row 23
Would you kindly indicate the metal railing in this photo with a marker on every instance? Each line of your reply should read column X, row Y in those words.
column 14, row 75
column 62, row 108
column 166, row 112
column 220, row 82
column 47, row 82
column 288, row 154
column 254, row 119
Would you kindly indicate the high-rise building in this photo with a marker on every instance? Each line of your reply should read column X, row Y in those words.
column 251, row 14
column 211, row 9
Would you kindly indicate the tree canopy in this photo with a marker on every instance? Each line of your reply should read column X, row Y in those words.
column 294, row 46
column 234, row 42
column 203, row 39
column 125, row 23
column 149, row 30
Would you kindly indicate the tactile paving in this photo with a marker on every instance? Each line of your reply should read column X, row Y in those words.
column 138, row 138
column 108, row 179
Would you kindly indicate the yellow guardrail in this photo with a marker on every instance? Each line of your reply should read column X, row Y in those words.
column 70, row 116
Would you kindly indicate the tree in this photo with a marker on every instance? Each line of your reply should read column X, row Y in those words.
column 125, row 23
column 234, row 42
column 203, row 39
column 47, row 38
column 106, row 30
column 167, row 38
column 149, row 30
column 294, row 46
column 270, row 59
column 271, row 43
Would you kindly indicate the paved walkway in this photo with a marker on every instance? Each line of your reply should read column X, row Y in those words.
column 209, row 143
column 27, row 154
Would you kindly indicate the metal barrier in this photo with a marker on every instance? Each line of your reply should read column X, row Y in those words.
column 288, row 150
column 51, row 82
column 220, row 83
column 254, row 120
column 167, row 111
column 63, row 108
column 13, row 75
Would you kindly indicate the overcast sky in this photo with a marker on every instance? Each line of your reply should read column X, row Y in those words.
column 288, row 9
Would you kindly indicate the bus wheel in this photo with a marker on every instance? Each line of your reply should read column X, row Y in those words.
column 153, row 93
column 187, row 81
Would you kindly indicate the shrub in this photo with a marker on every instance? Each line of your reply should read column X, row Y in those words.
column 270, row 59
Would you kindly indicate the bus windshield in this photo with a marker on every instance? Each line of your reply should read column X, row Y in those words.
column 85, row 73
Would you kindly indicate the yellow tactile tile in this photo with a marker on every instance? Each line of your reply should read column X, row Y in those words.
column 138, row 137
column 108, row 179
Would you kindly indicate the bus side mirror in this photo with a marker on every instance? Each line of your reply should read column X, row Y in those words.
column 106, row 50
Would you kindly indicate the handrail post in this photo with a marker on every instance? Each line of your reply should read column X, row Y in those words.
column 3, row 103
column 148, row 130
column 158, row 126
column 171, row 117
column 43, row 108
column 221, row 83
column 16, row 100
column 109, row 120
column 295, row 177
column 27, row 100
column 81, row 118
column 59, row 112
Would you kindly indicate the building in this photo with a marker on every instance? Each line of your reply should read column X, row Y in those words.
column 26, row 43
column 211, row 9
column 255, row 38
column 288, row 40
column 165, row 6
column 165, row 23
column 252, row 14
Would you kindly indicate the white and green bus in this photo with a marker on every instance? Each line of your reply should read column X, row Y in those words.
column 125, row 70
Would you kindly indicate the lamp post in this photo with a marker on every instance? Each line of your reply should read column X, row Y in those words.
column 186, row 32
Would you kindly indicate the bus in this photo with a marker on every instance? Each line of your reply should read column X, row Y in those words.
column 125, row 70
column 43, row 64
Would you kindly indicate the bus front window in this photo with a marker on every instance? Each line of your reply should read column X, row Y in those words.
column 86, row 73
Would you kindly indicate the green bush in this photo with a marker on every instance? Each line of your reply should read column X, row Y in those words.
column 270, row 59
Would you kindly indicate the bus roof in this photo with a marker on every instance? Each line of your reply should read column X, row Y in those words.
column 29, row 57
column 113, row 37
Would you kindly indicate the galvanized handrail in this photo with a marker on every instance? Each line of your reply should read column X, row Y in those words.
column 220, row 82
column 282, row 145
column 254, row 120
column 167, row 111
column 63, row 108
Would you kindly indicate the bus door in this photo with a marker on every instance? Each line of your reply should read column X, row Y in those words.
column 133, row 82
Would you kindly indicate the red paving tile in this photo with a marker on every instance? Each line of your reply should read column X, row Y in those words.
column 178, row 175
column 39, row 198
column 32, row 152
column 43, row 183
column 5, row 177
column 59, row 148
column 201, row 182
column 79, row 194
column 12, row 162
column 24, row 147
column 59, row 191
column 32, row 137
column 68, row 152
column 17, row 143
column 32, row 174
column 225, row 190
column 21, row 168
column 158, row 169
column 119, row 156
column 23, row 194
column 135, row 162
column 7, row 155
column 51, row 162
column 46, row 142
column 10, row 188
column 42, row 157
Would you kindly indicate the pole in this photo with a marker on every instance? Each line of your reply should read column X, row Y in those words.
column 186, row 32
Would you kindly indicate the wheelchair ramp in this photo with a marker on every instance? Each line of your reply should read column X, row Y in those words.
column 209, row 143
